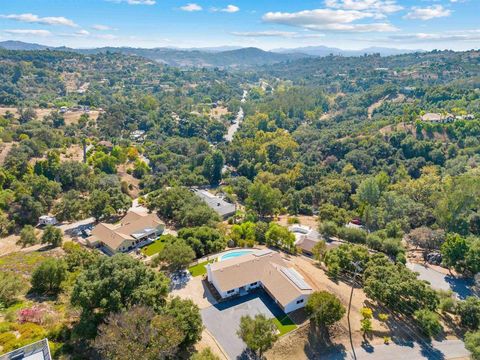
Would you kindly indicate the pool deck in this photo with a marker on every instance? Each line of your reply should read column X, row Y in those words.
column 215, row 256
column 238, row 253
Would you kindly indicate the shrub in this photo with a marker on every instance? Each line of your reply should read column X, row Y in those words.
column 383, row 317
column 293, row 220
column 328, row 229
column 10, row 287
column 472, row 343
column 428, row 322
column 366, row 312
column 53, row 236
column 48, row 277
column 469, row 312
column 325, row 308
column 353, row 235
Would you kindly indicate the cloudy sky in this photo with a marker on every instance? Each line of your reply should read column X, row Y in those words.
column 268, row 24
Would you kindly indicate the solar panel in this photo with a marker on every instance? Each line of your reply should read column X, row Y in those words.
column 296, row 278
column 262, row 252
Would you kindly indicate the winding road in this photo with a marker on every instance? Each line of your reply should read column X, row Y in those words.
column 238, row 120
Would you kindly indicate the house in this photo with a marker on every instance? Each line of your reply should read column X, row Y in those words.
column 133, row 231
column 465, row 117
column 105, row 143
column 216, row 203
column 137, row 135
column 36, row 351
column 437, row 118
column 47, row 220
column 261, row 269
column 305, row 237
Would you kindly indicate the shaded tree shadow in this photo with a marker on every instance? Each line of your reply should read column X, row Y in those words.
column 367, row 346
column 248, row 354
column 429, row 352
column 398, row 333
column 320, row 346
column 460, row 286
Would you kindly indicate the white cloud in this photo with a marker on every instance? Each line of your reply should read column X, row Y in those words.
column 106, row 36
column 32, row 18
column 329, row 19
column 381, row 6
column 77, row 34
column 275, row 33
column 28, row 32
column 228, row 9
column 135, row 2
column 427, row 13
column 271, row 33
column 465, row 35
column 191, row 7
column 231, row 9
column 83, row 32
column 100, row 27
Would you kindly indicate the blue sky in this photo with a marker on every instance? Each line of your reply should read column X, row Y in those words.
column 268, row 24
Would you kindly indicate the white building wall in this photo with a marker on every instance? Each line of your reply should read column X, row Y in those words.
column 225, row 294
column 292, row 306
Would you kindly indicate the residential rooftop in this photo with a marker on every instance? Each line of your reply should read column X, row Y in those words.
column 282, row 282
column 36, row 351
column 133, row 226
column 216, row 203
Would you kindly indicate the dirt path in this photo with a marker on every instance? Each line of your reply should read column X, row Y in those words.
column 5, row 149
column 375, row 106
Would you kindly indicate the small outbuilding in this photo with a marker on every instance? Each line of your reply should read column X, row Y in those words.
column 47, row 220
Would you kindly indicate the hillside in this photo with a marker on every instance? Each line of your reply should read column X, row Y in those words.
column 238, row 58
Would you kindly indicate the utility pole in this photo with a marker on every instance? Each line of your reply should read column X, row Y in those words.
column 357, row 270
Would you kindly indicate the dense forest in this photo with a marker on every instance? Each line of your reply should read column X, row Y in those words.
column 338, row 139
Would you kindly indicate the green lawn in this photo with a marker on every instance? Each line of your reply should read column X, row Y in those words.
column 284, row 325
column 199, row 269
column 153, row 248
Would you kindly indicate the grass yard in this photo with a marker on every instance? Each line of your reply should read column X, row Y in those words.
column 199, row 269
column 284, row 325
column 153, row 248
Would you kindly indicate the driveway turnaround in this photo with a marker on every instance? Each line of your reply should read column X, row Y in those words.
column 223, row 319
column 440, row 281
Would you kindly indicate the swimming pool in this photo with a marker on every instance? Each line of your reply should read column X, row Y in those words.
column 234, row 254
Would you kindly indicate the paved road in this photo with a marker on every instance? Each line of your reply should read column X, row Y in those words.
column 238, row 120
column 444, row 350
column 441, row 281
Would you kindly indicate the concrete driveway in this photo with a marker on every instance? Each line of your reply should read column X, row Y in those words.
column 197, row 291
column 223, row 319
column 441, row 281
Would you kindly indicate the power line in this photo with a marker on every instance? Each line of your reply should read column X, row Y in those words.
column 418, row 338
column 357, row 270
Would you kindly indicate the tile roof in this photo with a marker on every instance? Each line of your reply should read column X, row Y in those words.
column 131, row 227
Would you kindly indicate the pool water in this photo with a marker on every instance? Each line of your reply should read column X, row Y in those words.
column 234, row 254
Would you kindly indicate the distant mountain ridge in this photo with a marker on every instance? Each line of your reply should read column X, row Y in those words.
column 321, row 51
column 222, row 56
